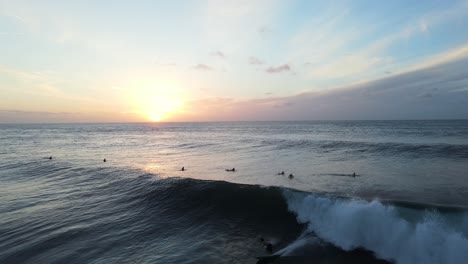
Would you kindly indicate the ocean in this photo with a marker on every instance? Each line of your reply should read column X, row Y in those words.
column 407, row 202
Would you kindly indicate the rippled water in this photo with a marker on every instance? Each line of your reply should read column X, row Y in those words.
column 406, row 204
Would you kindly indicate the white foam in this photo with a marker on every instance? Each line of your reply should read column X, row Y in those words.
column 298, row 246
column 350, row 224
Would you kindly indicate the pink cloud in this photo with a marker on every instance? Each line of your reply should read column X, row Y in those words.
column 282, row 68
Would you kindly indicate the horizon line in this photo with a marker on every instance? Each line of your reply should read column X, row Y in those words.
column 231, row 121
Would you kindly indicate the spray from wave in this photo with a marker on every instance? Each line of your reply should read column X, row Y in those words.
column 353, row 224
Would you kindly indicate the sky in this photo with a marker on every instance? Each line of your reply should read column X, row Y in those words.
column 143, row 61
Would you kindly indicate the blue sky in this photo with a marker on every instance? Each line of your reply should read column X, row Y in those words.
column 117, row 61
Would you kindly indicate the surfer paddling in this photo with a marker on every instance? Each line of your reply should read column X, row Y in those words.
column 233, row 170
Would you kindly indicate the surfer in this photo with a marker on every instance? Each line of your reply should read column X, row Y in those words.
column 50, row 157
column 354, row 174
column 233, row 169
column 183, row 169
column 290, row 176
column 104, row 160
column 281, row 173
column 267, row 245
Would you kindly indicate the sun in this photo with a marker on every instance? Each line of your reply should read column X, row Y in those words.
column 160, row 107
column 155, row 118
column 158, row 103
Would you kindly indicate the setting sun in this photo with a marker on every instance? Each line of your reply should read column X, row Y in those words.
column 156, row 103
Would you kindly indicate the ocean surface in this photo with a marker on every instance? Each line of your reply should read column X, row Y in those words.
column 408, row 202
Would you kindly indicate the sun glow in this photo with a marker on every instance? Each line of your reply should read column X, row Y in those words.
column 157, row 103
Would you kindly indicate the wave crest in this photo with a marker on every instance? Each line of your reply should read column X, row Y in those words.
column 351, row 224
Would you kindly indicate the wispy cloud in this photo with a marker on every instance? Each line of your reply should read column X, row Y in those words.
column 219, row 54
column 278, row 69
column 255, row 61
column 457, row 53
column 22, row 74
column 40, row 82
column 47, row 88
column 327, row 46
column 202, row 67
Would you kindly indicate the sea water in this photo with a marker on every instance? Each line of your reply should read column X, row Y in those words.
column 361, row 192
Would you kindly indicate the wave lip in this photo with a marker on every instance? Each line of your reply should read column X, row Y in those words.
column 352, row 224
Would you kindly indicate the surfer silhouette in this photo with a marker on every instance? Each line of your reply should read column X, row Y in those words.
column 50, row 157
column 233, row 169
column 291, row 176
column 183, row 169
column 281, row 173
column 267, row 245
column 104, row 160
column 354, row 174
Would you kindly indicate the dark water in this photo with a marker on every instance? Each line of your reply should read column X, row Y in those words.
column 407, row 204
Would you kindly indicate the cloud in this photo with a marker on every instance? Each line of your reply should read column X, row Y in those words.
column 425, row 95
column 219, row 54
column 338, row 50
column 455, row 54
column 423, row 27
column 36, row 76
column 436, row 92
column 202, row 67
column 263, row 30
column 278, row 69
column 255, row 61
column 283, row 104
column 347, row 65
column 233, row 25
column 40, row 82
